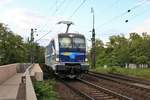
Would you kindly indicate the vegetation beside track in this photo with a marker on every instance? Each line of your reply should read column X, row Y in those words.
column 45, row 90
column 142, row 73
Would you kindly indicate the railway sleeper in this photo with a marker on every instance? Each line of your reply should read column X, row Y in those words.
column 131, row 85
column 112, row 93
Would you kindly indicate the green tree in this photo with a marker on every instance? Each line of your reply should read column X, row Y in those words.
column 14, row 50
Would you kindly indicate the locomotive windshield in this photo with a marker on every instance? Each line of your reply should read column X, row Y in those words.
column 65, row 42
column 71, row 42
column 78, row 43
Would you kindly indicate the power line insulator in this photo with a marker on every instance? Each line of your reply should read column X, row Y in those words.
column 126, row 21
column 129, row 10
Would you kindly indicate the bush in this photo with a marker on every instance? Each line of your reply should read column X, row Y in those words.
column 112, row 69
column 45, row 90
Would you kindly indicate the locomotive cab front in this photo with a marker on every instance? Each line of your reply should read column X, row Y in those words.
column 72, row 55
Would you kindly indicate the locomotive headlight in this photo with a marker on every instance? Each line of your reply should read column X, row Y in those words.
column 57, row 59
column 86, row 59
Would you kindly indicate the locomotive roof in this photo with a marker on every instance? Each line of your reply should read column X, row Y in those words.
column 67, row 34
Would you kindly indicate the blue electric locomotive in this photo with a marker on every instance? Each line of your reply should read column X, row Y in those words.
column 66, row 54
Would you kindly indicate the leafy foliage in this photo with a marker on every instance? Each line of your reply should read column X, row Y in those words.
column 120, row 50
column 13, row 49
column 45, row 90
column 141, row 73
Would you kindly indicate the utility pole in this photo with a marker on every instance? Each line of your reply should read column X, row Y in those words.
column 93, row 41
column 32, row 44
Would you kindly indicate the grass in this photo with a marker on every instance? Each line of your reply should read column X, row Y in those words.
column 142, row 73
column 45, row 90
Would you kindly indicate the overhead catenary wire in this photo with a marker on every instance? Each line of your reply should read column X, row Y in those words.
column 51, row 7
column 121, row 15
column 111, row 5
column 137, row 15
column 74, row 12
column 42, row 36
column 69, row 17
column 67, row 5
column 129, row 10
column 57, row 9
column 77, row 9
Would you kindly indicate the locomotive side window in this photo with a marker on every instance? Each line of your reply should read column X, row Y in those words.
column 65, row 42
column 78, row 43
column 52, row 47
column 49, row 49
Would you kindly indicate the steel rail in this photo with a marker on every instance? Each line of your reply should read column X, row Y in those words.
column 107, row 91
column 77, row 91
column 130, row 78
column 118, row 81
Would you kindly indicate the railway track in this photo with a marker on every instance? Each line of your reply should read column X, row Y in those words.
column 122, row 80
column 129, row 78
column 136, row 90
column 92, row 91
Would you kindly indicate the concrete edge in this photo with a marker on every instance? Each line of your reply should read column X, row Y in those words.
column 37, row 72
column 9, row 65
column 30, row 93
column 29, row 89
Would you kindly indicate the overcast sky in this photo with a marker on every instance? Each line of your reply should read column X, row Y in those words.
column 110, row 16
